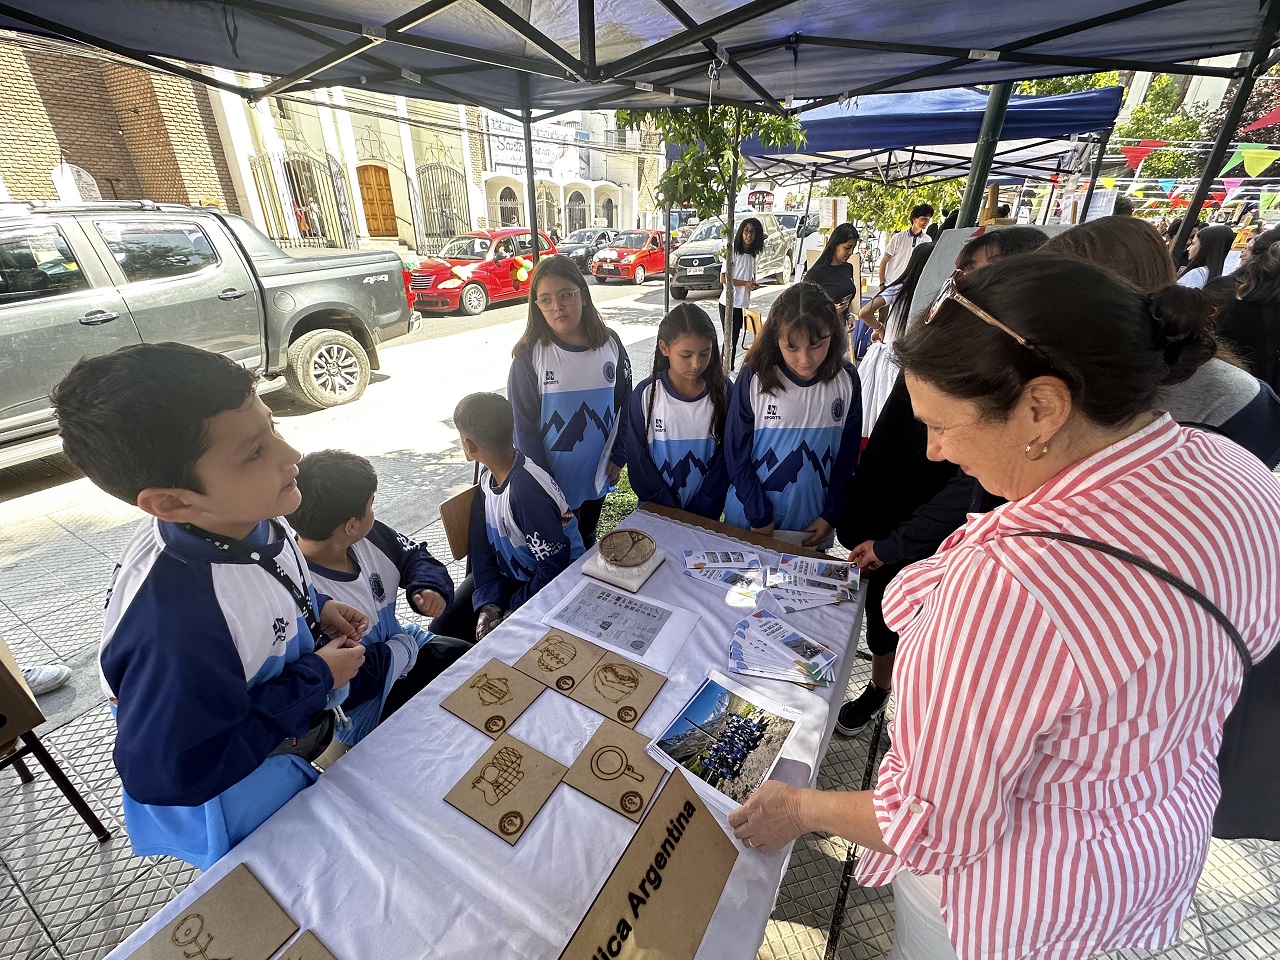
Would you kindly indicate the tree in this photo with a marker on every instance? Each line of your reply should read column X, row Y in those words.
column 1161, row 116
column 886, row 207
column 1264, row 98
column 1052, row 86
column 699, row 177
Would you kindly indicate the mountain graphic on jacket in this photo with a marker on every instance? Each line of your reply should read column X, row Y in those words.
column 569, row 434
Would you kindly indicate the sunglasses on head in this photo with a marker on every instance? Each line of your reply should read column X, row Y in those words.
column 949, row 292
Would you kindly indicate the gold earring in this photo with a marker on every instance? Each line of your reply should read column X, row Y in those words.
column 1043, row 450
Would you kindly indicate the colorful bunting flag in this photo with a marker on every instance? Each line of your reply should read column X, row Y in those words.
column 1232, row 183
column 1108, row 183
column 1135, row 155
column 1266, row 201
column 1167, row 185
column 1271, row 119
column 1257, row 159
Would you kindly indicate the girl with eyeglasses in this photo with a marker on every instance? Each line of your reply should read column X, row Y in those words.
column 675, row 419
column 795, row 422
column 569, row 383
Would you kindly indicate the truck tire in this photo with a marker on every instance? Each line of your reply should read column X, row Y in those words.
column 781, row 275
column 327, row 368
column 474, row 299
column 679, row 292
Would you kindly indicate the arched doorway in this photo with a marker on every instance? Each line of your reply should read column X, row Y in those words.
column 548, row 208
column 379, row 208
column 508, row 207
column 608, row 212
column 575, row 213
column 444, row 195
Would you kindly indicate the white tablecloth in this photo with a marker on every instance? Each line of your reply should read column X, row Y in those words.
column 376, row 863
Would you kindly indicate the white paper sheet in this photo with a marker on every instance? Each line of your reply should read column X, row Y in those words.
column 646, row 630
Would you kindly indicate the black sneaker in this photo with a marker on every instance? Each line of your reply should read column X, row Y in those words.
column 856, row 715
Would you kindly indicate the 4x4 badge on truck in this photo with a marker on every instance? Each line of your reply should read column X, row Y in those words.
column 381, row 276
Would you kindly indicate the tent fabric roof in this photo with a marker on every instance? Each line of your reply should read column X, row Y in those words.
column 652, row 53
column 906, row 136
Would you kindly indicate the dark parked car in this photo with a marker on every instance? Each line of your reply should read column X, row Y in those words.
column 581, row 245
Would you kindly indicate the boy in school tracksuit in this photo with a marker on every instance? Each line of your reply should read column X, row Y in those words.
column 213, row 654
column 523, row 533
column 363, row 562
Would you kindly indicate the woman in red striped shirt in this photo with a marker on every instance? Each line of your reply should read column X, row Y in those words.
column 1052, row 779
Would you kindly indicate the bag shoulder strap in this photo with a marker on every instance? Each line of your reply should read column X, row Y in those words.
column 1160, row 573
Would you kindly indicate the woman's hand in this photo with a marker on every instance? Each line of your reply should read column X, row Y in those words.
column 612, row 471
column 864, row 555
column 771, row 818
column 820, row 532
column 341, row 621
column 490, row 616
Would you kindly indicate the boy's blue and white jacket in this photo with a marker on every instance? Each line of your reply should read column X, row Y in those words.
column 569, row 405
column 387, row 562
column 522, row 535
column 209, row 666
column 673, row 457
column 790, row 455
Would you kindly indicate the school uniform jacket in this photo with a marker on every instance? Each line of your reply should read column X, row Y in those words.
column 673, row 457
column 791, row 454
column 522, row 535
column 568, row 404
column 209, row 665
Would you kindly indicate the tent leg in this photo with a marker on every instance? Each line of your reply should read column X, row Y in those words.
column 985, row 150
column 813, row 175
column 730, row 341
column 1097, row 170
column 530, row 177
column 1257, row 63
column 666, row 271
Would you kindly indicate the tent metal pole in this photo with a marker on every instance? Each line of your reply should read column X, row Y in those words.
column 808, row 201
column 984, row 151
column 1261, row 50
column 666, row 269
column 730, row 341
column 531, row 179
column 1097, row 169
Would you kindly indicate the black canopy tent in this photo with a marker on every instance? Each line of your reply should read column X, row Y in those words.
column 556, row 56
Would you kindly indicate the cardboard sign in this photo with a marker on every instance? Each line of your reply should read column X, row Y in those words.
column 505, row 790
column 307, row 947
column 493, row 697
column 659, row 899
column 615, row 769
column 619, row 689
column 236, row 917
column 560, row 660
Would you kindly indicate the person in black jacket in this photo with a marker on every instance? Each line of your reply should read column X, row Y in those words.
column 898, row 508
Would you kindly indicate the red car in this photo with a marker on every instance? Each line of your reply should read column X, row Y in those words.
column 633, row 255
column 476, row 269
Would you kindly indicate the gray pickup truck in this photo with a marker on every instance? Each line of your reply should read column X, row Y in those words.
column 85, row 279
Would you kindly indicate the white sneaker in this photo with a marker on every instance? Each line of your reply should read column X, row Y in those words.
column 47, row 678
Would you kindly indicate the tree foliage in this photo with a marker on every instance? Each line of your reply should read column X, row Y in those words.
column 886, row 207
column 1160, row 116
column 1264, row 98
column 699, row 177
column 1077, row 83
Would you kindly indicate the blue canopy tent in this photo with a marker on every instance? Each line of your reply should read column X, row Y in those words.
column 904, row 137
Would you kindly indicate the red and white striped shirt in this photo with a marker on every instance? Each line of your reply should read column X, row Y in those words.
column 1059, row 711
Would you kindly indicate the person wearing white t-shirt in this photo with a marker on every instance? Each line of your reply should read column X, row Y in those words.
column 898, row 250
column 748, row 244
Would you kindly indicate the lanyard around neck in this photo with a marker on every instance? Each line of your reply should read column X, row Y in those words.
column 243, row 551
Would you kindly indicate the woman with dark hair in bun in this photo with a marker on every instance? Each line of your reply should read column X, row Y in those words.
column 1052, row 779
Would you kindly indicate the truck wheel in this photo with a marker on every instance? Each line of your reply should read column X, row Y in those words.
column 326, row 368
column 679, row 292
column 639, row 278
column 474, row 300
column 781, row 275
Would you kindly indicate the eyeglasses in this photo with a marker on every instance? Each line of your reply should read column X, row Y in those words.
column 565, row 298
column 949, row 292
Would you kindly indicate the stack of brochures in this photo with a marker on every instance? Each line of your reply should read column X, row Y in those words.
column 765, row 646
column 801, row 583
column 737, row 571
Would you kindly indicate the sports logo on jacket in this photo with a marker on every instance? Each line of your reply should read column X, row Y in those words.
column 375, row 585
column 549, row 377
column 609, row 371
column 280, row 628
column 657, row 425
column 771, row 412
column 837, row 408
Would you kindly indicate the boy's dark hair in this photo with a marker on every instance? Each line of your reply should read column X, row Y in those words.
column 921, row 210
column 139, row 417
column 486, row 419
column 336, row 486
